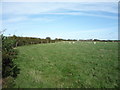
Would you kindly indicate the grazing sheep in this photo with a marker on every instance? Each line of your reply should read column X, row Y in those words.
column 73, row 42
column 94, row 42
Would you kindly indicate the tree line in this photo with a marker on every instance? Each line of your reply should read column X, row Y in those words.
column 20, row 41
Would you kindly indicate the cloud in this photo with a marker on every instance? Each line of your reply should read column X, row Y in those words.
column 16, row 19
column 83, row 14
column 38, row 8
column 21, row 19
column 99, row 7
column 16, row 12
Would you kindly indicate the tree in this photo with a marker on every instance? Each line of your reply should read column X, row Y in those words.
column 48, row 39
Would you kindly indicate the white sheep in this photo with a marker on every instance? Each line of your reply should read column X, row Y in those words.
column 94, row 42
column 73, row 42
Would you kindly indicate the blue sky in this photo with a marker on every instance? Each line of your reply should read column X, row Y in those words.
column 67, row 20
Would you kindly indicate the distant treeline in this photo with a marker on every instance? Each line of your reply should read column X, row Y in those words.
column 20, row 41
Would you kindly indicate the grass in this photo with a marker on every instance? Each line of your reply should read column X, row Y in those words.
column 64, row 65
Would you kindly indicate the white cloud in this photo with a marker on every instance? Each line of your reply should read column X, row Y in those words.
column 104, row 7
column 38, row 8
column 21, row 18
column 17, row 19
column 16, row 12
column 84, row 14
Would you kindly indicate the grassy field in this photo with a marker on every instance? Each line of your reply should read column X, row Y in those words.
column 68, row 65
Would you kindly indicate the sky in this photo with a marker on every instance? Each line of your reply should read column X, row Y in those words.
column 66, row 20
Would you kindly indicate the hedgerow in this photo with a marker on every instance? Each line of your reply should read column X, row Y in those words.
column 9, row 68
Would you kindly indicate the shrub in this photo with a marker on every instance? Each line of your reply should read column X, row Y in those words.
column 9, row 69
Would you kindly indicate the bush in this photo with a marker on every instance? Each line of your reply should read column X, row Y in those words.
column 9, row 69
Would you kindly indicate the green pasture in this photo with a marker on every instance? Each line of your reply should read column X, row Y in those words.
column 68, row 65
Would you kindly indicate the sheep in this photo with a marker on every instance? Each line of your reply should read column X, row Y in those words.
column 94, row 42
column 73, row 42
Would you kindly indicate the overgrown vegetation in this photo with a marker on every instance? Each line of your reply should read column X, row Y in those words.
column 20, row 41
column 9, row 68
